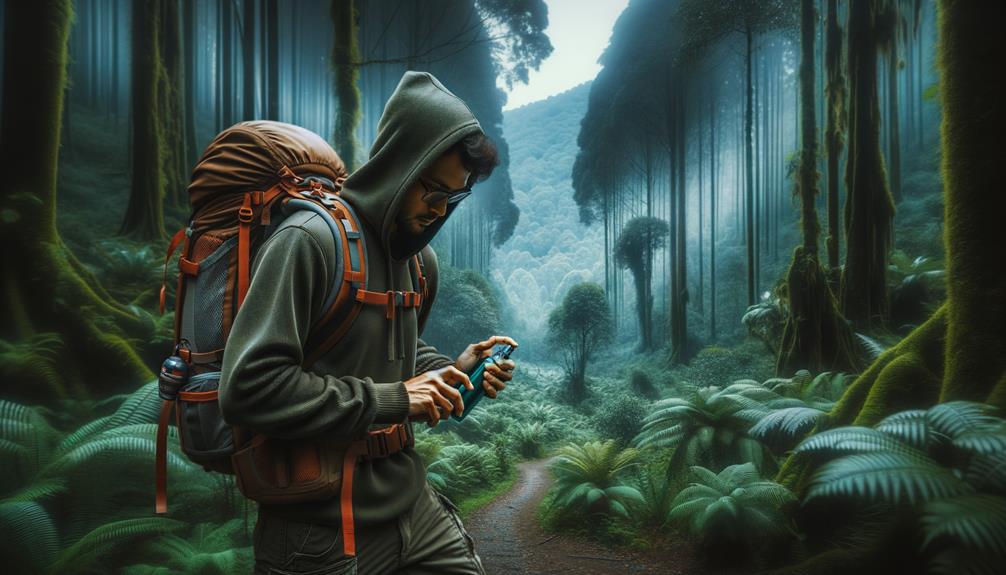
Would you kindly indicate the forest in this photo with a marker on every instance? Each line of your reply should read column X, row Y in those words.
column 753, row 266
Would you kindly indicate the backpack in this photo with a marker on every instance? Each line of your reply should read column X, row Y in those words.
column 238, row 198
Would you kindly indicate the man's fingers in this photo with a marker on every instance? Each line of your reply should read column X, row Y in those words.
column 433, row 412
column 455, row 374
column 453, row 398
column 489, row 385
column 487, row 344
column 499, row 372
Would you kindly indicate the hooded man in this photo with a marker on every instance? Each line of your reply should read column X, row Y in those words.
column 428, row 153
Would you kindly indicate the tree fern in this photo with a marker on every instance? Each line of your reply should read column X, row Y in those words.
column 732, row 511
column 589, row 478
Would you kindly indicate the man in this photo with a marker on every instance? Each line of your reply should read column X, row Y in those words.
column 428, row 152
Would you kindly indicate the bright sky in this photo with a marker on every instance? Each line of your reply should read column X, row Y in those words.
column 579, row 31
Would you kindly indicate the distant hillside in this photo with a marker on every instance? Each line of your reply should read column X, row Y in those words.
column 550, row 249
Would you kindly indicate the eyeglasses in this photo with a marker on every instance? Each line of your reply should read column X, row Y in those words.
column 435, row 193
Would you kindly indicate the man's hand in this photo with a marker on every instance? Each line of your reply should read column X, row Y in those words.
column 496, row 375
column 432, row 395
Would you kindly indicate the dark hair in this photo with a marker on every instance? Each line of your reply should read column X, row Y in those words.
column 478, row 155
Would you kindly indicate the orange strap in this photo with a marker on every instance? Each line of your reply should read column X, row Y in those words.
column 388, row 298
column 161, row 459
column 175, row 240
column 353, row 453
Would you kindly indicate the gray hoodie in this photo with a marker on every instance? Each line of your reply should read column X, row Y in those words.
column 358, row 385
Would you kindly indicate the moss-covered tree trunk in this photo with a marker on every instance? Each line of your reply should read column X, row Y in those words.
column 815, row 336
column 970, row 46
column 45, row 288
column 345, row 57
column 869, row 209
column 171, row 105
column 144, row 217
column 960, row 352
column 835, row 126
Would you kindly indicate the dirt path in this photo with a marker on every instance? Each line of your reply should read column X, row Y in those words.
column 509, row 539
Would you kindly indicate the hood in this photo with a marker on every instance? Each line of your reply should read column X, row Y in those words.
column 421, row 121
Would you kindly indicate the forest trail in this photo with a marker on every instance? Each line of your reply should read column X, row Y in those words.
column 509, row 539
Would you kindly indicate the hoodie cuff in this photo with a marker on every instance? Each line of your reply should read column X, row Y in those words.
column 392, row 402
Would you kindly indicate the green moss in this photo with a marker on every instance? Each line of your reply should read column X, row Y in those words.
column 480, row 499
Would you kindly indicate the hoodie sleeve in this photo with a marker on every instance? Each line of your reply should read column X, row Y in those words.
column 262, row 385
column 427, row 356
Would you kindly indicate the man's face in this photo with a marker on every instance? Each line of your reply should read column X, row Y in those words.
column 415, row 213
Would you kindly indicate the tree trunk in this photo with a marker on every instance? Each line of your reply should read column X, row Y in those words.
column 869, row 209
column 190, row 85
column 272, row 25
column 45, row 288
column 815, row 337
column 970, row 45
column 836, row 109
column 345, row 55
column 749, row 168
column 713, row 150
column 227, row 62
column 893, row 121
column 248, row 59
column 145, row 215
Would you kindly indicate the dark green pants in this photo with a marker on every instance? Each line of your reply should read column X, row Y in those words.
column 428, row 538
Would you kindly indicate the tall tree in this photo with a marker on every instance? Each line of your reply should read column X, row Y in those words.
column 272, row 47
column 835, row 128
column 706, row 23
column 578, row 328
column 345, row 54
column 869, row 208
column 970, row 45
column 144, row 217
column 635, row 249
column 815, row 337
column 46, row 289
column 248, row 59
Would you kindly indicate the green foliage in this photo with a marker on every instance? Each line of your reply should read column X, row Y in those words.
column 461, row 470
column 529, row 438
column 765, row 321
column 33, row 362
column 589, row 479
column 621, row 417
column 641, row 383
column 708, row 426
column 577, row 329
column 734, row 513
column 945, row 464
column 467, row 309
column 641, row 237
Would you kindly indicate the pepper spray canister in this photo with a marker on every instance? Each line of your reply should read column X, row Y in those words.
column 471, row 397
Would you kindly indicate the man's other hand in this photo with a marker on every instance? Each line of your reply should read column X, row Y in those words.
column 432, row 395
column 496, row 375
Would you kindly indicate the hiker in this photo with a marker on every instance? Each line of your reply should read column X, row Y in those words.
column 428, row 153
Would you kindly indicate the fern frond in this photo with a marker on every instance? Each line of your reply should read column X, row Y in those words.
column 886, row 476
column 784, row 425
column 977, row 521
column 956, row 417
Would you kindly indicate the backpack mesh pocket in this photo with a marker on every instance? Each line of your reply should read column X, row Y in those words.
column 205, row 437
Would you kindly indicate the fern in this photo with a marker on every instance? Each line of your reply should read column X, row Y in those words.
column 588, row 478
column 142, row 406
column 977, row 521
column 783, row 426
column 849, row 440
column 733, row 510
column 109, row 539
column 886, row 476
column 28, row 537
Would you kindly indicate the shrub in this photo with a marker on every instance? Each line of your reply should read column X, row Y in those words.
column 589, row 479
column 621, row 417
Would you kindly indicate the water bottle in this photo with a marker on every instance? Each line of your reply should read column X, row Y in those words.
column 174, row 373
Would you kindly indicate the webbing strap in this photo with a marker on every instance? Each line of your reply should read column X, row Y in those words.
column 245, row 215
column 353, row 453
column 161, row 459
column 175, row 240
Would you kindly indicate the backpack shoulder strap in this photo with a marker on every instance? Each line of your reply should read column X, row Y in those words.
column 341, row 306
